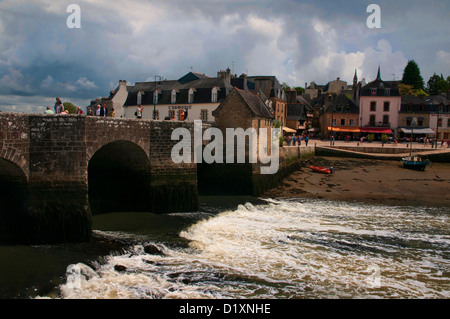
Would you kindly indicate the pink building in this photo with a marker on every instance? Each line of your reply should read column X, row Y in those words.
column 379, row 107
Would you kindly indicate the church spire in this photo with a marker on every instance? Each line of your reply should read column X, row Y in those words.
column 355, row 79
column 379, row 73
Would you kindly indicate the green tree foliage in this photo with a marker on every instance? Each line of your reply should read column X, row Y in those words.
column 437, row 84
column 411, row 75
column 72, row 109
column 409, row 90
column 286, row 87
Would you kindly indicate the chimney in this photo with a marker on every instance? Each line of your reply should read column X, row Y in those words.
column 228, row 76
column 291, row 97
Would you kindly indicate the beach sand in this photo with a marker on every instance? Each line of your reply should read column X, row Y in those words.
column 366, row 180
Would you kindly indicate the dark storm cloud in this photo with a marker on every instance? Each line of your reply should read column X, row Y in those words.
column 298, row 41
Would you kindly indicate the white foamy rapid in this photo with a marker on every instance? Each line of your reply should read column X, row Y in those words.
column 286, row 249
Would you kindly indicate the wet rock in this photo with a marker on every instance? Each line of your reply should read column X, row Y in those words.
column 153, row 250
column 120, row 268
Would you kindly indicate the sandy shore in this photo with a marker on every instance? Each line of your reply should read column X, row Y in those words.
column 375, row 181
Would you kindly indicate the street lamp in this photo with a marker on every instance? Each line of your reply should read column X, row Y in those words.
column 437, row 126
column 331, row 137
column 155, row 96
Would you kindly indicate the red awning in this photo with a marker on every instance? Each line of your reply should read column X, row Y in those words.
column 381, row 130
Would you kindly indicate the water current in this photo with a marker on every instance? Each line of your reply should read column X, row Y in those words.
column 277, row 249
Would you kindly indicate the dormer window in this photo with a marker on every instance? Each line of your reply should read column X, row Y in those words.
column 155, row 96
column 214, row 94
column 191, row 95
column 387, row 92
column 173, row 98
column 373, row 91
column 139, row 97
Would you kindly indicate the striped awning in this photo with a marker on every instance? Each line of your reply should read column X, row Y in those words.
column 422, row 130
column 346, row 129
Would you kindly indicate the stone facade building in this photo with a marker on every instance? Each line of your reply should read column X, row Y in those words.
column 425, row 111
column 195, row 93
column 340, row 117
column 379, row 106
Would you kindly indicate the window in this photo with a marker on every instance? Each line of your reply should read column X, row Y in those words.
column 171, row 114
column 173, row 99
column 421, row 107
column 373, row 106
column 342, row 122
column 420, row 121
column 156, row 115
column 446, row 136
column 387, row 92
column 448, row 122
column 139, row 97
column 204, row 115
column 439, row 122
column 386, row 120
column 409, row 107
column 386, row 106
column 214, row 95
column 191, row 95
column 408, row 121
column 373, row 91
column 352, row 122
column 333, row 121
column 372, row 120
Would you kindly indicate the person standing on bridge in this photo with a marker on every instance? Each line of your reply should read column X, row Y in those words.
column 139, row 111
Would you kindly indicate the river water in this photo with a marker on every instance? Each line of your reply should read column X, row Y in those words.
column 273, row 249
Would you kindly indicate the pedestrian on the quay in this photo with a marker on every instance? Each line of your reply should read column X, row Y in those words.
column 104, row 111
column 139, row 111
column 58, row 101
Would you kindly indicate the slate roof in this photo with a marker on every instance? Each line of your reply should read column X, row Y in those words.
column 342, row 104
column 256, row 103
column 203, row 91
column 296, row 112
column 380, row 87
column 425, row 104
column 252, row 100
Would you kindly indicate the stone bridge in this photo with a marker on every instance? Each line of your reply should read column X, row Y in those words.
column 58, row 170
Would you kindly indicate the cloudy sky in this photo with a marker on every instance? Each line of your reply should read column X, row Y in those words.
column 134, row 40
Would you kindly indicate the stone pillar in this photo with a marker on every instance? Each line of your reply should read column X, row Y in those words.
column 58, row 207
column 173, row 186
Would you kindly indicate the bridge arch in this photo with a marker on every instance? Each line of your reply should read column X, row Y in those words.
column 14, row 196
column 119, row 176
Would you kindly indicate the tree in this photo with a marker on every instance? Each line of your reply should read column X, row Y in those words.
column 411, row 75
column 72, row 109
column 409, row 90
column 436, row 84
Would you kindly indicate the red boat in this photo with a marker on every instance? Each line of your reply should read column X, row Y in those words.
column 322, row 169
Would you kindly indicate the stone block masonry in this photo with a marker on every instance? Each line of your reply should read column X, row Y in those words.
column 57, row 170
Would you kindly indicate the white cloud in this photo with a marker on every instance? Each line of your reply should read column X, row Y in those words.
column 47, row 82
column 444, row 58
column 84, row 83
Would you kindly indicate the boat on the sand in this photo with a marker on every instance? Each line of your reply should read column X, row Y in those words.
column 415, row 162
column 323, row 170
